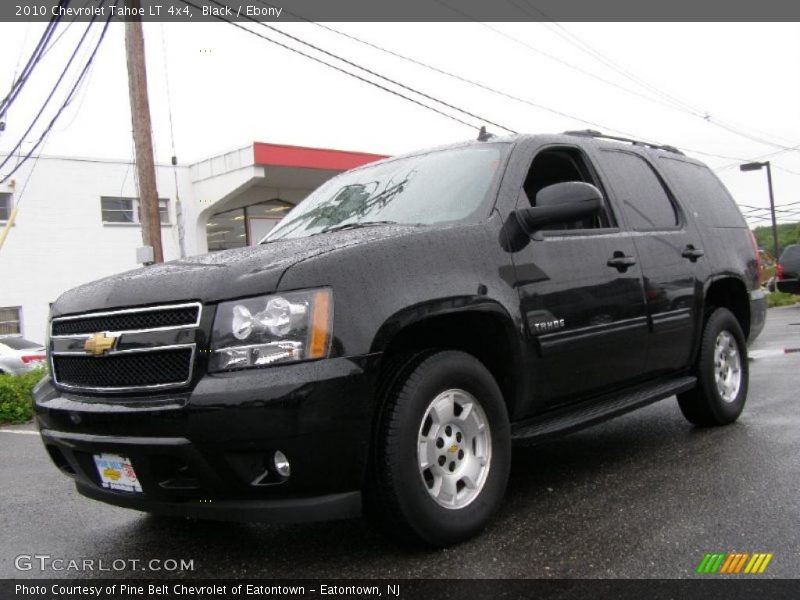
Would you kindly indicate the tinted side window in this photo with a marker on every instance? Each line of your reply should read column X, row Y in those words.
column 646, row 202
column 702, row 193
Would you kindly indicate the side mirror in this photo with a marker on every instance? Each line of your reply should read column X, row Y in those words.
column 561, row 202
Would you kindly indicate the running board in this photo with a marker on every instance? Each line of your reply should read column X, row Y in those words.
column 596, row 411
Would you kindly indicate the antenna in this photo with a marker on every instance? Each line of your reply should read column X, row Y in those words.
column 483, row 135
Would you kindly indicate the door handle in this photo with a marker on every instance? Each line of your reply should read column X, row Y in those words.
column 621, row 261
column 692, row 253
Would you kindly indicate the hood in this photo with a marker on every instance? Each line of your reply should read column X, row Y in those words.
column 216, row 276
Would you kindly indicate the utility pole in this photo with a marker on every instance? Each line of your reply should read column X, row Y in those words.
column 142, row 136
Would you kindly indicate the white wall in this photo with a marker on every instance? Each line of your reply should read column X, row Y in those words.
column 59, row 241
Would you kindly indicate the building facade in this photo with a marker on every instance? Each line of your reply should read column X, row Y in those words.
column 78, row 218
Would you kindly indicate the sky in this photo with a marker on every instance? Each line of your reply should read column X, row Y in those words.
column 684, row 84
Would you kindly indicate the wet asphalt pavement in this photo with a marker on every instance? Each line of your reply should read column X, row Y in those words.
column 646, row 495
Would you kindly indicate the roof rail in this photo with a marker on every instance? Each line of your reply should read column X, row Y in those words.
column 592, row 133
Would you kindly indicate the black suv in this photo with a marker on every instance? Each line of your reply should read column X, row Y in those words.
column 385, row 345
column 788, row 272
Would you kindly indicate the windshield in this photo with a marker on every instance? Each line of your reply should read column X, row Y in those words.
column 437, row 187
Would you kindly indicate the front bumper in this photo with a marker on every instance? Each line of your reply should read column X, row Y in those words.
column 207, row 453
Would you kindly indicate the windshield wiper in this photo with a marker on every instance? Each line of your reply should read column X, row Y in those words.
column 355, row 225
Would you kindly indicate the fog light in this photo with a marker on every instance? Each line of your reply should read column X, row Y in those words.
column 281, row 463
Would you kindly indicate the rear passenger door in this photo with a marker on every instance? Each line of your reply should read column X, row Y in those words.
column 580, row 288
column 670, row 252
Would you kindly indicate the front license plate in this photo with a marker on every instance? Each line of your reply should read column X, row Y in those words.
column 116, row 473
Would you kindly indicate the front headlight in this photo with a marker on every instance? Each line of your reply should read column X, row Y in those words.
column 267, row 330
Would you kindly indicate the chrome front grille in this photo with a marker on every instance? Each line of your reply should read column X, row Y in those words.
column 133, row 319
column 148, row 348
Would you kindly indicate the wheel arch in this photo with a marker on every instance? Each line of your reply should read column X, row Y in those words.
column 728, row 291
column 482, row 328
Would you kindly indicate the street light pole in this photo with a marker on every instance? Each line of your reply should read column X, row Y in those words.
column 772, row 210
column 756, row 166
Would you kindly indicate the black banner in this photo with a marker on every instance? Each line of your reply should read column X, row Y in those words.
column 170, row 11
column 400, row 589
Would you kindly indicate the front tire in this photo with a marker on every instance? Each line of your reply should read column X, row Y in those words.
column 443, row 450
column 722, row 373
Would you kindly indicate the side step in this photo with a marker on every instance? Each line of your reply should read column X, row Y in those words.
column 595, row 411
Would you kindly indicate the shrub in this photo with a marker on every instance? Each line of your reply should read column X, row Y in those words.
column 781, row 299
column 16, row 395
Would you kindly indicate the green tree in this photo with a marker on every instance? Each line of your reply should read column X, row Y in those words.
column 788, row 233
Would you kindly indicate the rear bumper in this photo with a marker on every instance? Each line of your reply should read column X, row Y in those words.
column 207, row 453
column 788, row 286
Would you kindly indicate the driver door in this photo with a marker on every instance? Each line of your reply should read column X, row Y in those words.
column 580, row 290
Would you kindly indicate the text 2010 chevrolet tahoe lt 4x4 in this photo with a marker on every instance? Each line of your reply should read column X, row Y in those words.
column 383, row 347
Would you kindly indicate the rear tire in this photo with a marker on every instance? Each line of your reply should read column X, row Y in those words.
column 722, row 373
column 443, row 450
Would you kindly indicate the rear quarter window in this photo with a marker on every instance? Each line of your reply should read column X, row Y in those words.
column 701, row 193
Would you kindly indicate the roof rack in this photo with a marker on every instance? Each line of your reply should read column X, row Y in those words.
column 592, row 133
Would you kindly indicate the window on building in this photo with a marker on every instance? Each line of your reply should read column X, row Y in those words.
column 10, row 320
column 245, row 226
column 5, row 206
column 128, row 210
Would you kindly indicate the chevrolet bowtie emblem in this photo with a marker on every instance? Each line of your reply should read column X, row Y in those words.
column 99, row 344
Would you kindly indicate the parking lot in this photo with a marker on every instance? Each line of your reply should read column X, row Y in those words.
column 644, row 496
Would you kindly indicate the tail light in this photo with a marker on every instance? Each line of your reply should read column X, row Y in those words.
column 29, row 358
column 779, row 272
column 759, row 265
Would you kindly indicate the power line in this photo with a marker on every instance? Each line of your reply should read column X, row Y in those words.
column 666, row 99
column 70, row 96
column 706, row 117
column 457, row 77
column 550, row 56
column 19, row 56
column 336, row 68
column 785, row 170
column 679, row 103
column 166, row 81
column 573, row 39
column 174, row 160
column 760, row 157
column 373, row 73
column 53, row 90
column 778, row 208
column 63, row 31
column 493, row 90
column 759, row 208
column 33, row 60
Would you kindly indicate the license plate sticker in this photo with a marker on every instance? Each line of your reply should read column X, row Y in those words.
column 116, row 473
